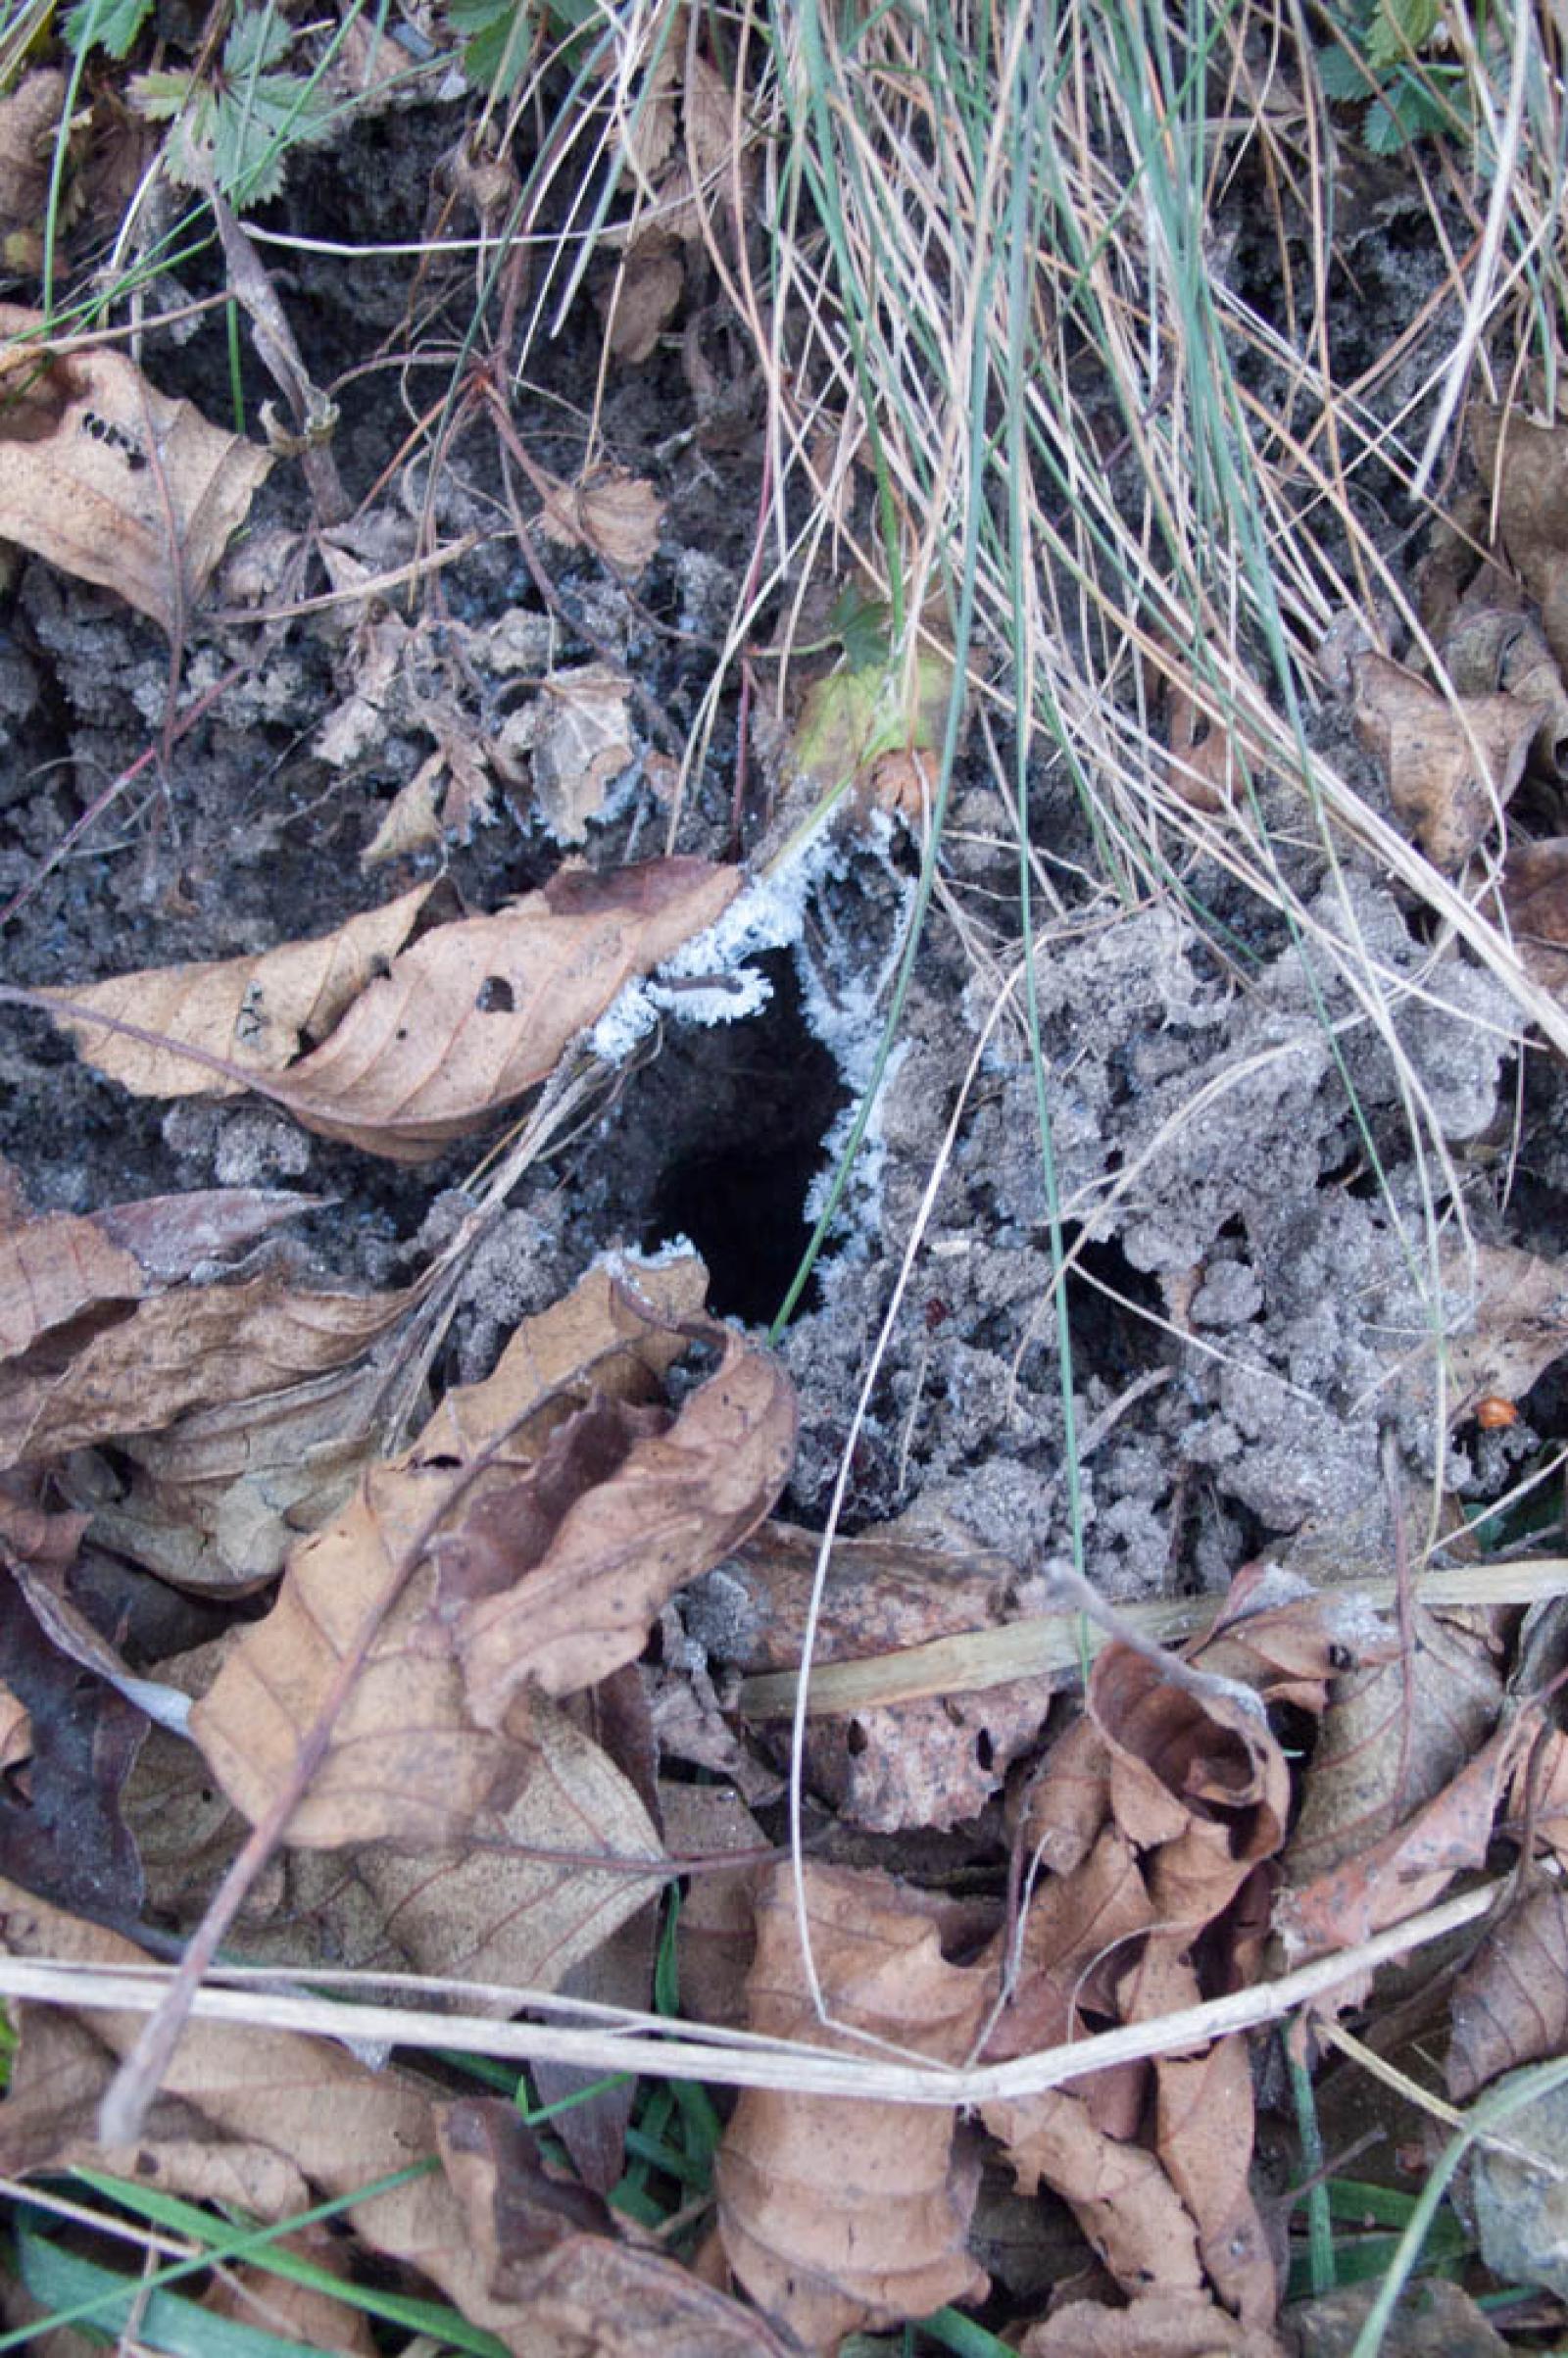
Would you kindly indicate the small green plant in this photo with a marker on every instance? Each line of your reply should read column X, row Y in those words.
column 1380, row 60
column 235, row 131
column 235, row 124
column 499, row 35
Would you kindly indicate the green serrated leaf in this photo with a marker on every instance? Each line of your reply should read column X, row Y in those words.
column 158, row 96
column 500, row 41
column 861, row 625
column 1342, row 75
column 1399, row 29
column 111, row 24
column 257, row 40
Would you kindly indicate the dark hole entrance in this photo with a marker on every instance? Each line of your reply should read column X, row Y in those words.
column 761, row 1093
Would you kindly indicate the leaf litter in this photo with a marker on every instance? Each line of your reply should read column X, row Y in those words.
column 486, row 1641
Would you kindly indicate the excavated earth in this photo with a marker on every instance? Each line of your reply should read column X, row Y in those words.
column 1243, row 1225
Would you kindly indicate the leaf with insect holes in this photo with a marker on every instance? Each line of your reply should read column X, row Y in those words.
column 443, row 1035
column 79, row 433
column 238, row 129
column 111, row 24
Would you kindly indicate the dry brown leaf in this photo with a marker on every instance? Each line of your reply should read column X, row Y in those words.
column 407, row 1761
column 836, row 2216
column 652, row 1513
column 251, row 1012
column 1511, row 2003
column 1431, row 2319
column 113, row 481
column 322, row 2119
column 476, row 1013
column 1511, row 1318
column 216, row 1500
column 29, row 123
column 65, row 1267
column 576, row 740
column 1526, row 487
column 646, row 295
column 181, row 1349
column 716, row 1938
column 1534, row 895
column 104, row 1341
column 1498, row 649
column 1161, row 2325
column 1411, row 1867
column 411, row 821
column 1121, row 2196
column 497, row 1910
column 463, row 1022
column 1394, row 1733
column 16, row 1730
column 258, row 2297
column 1203, row 1784
column 1204, row 2137
column 612, row 511
column 1452, row 764
column 1201, row 768
column 1074, row 1948
column 546, row 2246
column 928, row 1762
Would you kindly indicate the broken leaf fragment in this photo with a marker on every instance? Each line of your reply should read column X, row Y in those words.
column 1451, row 763
column 613, row 513
column 579, row 738
column 875, row 704
column 108, row 478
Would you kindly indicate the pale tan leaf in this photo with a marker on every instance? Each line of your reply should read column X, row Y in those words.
column 1510, row 1311
column 1451, row 763
column 1511, row 2003
column 112, row 480
column 579, row 737
column 836, row 2216
column 321, row 2115
column 258, row 2297
column 1161, row 2325
column 218, row 1499
column 492, row 1912
column 1411, row 1867
column 477, row 1013
column 547, row 2246
column 407, row 1763
column 16, row 1730
column 56, row 1269
column 647, row 296
column 1204, row 2133
column 612, row 511
column 1534, row 895
column 662, row 1509
column 411, row 821
column 1526, row 487
column 1432, row 2317
column 1121, row 2196
column 181, row 1349
column 29, row 122
column 250, row 1012
column 1394, row 1733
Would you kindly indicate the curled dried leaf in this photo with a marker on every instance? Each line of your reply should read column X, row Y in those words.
column 836, row 2216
